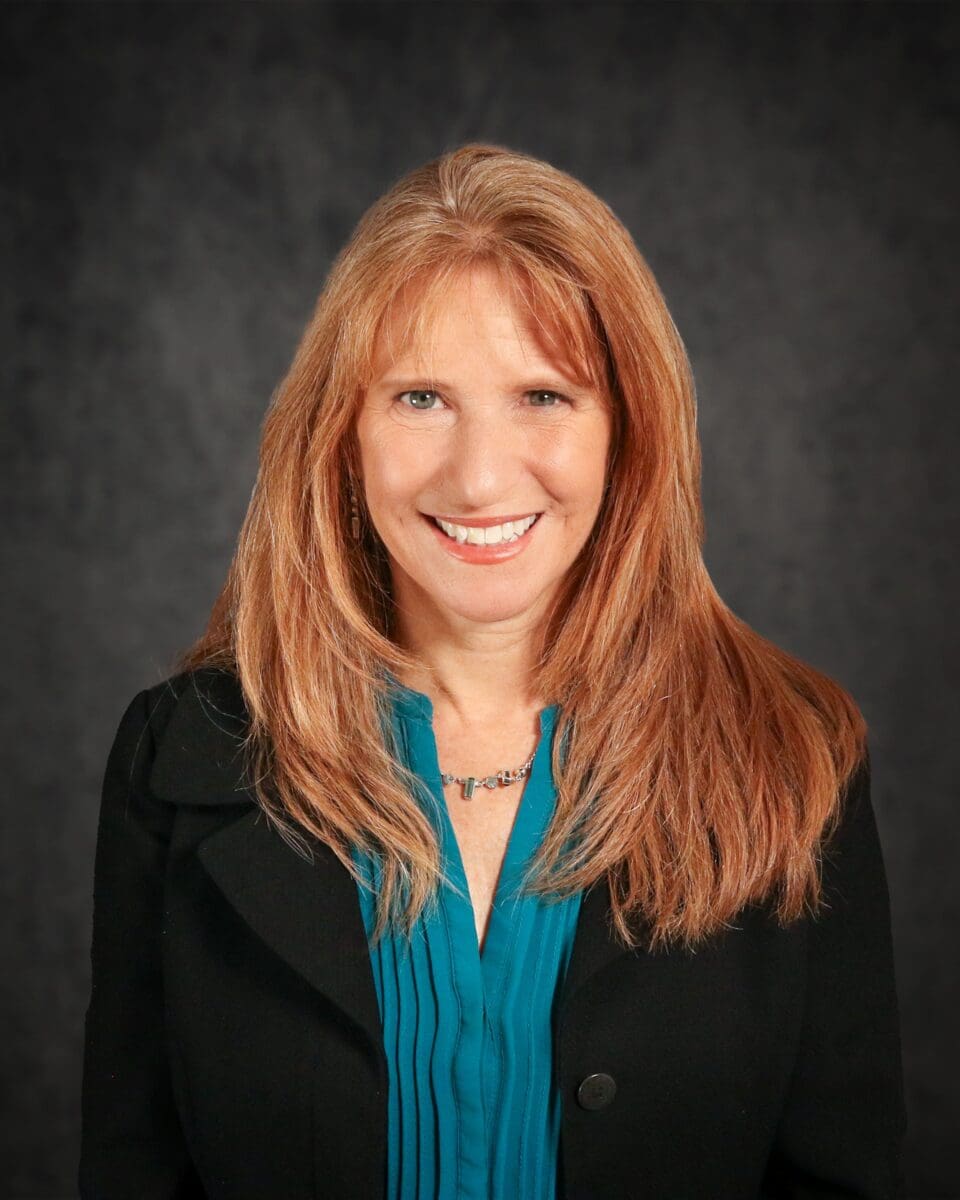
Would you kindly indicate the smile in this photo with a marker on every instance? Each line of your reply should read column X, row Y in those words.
column 488, row 535
column 485, row 545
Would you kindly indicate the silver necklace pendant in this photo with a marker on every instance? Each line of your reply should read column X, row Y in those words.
column 503, row 778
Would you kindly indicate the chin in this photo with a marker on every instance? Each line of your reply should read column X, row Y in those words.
column 488, row 609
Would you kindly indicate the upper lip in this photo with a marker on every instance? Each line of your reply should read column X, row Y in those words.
column 482, row 522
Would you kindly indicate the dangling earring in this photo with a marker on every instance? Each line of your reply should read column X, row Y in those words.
column 354, row 513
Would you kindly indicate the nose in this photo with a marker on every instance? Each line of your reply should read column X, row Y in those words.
column 482, row 460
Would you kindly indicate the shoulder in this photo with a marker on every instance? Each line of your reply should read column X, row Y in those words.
column 197, row 721
column 854, row 819
column 853, row 868
column 193, row 696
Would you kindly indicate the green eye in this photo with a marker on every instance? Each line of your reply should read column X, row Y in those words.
column 416, row 392
column 427, row 395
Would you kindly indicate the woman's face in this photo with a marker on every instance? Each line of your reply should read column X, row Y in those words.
column 488, row 431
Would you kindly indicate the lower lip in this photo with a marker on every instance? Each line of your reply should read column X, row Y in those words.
column 472, row 553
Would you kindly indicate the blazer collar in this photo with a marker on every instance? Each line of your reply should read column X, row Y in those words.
column 308, row 912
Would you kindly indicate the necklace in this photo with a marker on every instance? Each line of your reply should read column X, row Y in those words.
column 503, row 778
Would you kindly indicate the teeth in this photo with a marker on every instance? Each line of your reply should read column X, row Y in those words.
column 491, row 536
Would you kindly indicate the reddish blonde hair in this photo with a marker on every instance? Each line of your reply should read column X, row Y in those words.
column 703, row 765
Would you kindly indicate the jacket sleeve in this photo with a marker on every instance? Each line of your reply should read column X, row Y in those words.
column 132, row 1145
column 843, row 1122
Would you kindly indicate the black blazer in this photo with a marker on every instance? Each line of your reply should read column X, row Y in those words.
column 233, row 1046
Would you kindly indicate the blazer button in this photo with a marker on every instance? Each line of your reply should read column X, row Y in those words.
column 596, row 1091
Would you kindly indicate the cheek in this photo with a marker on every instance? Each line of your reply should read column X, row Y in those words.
column 393, row 471
column 575, row 465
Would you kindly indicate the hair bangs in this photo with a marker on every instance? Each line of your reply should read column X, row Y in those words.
column 555, row 310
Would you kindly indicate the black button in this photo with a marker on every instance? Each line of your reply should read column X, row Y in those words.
column 596, row 1091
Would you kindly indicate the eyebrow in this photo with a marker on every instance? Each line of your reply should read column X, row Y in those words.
column 547, row 382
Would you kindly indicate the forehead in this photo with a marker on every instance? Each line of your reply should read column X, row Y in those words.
column 492, row 301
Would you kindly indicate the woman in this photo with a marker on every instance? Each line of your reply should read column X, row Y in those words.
column 477, row 849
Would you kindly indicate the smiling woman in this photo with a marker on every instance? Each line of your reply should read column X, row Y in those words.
column 487, row 451
column 477, row 849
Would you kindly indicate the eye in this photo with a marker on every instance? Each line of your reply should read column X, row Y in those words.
column 546, row 392
column 418, row 392
column 421, row 394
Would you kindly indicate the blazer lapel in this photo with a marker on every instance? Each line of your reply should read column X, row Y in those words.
column 308, row 912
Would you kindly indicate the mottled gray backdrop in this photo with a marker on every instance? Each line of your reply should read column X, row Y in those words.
column 176, row 179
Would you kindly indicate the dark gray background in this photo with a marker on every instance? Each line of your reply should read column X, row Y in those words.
column 176, row 181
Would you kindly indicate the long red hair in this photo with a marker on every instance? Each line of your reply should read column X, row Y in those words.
column 699, row 766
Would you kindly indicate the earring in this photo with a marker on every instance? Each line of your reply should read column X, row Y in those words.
column 354, row 513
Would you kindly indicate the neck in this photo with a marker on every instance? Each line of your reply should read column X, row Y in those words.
column 482, row 676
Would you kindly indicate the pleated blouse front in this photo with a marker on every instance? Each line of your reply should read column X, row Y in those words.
column 473, row 1108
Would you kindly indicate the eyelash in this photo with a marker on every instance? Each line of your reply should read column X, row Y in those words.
column 531, row 392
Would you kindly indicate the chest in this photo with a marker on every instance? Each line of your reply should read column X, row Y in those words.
column 281, row 1093
column 483, row 834
column 482, row 825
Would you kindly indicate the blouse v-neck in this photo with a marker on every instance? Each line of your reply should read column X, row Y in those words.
column 529, row 824
column 473, row 1111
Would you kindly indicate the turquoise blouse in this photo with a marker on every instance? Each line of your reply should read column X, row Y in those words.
column 473, row 1108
